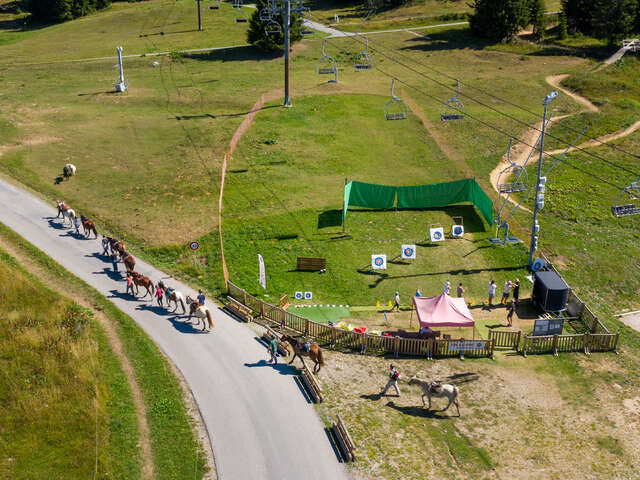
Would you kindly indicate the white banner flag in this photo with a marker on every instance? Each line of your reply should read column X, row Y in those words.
column 263, row 274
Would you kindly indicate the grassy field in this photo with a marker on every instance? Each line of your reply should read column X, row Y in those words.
column 65, row 404
column 176, row 451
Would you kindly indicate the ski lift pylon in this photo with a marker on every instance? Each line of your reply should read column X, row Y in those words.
column 453, row 108
column 395, row 109
column 628, row 194
column 327, row 65
column 363, row 60
column 520, row 183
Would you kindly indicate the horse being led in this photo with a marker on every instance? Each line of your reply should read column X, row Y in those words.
column 437, row 390
column 128, row 260
column 172, row 295
column 142, row 281
column 314, row 353
column 67, row 213
column 200, row 311
column 88, row 226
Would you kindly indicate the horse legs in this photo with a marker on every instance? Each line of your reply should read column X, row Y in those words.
column 422, row 398
column 295, row 354
column 429, row 397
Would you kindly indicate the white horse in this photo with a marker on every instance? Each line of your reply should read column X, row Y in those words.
column 437, row 390
column 200, row 311
column 67, row 213
column 69, row 170
column 172, row 295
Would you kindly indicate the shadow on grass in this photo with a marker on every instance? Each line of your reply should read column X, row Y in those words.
column 145, row 35
column 421, row 412
column 460, row 378
column 330, row 218
column 450, row 39
column 223, row 115
column 246, row 53
column 282, row 368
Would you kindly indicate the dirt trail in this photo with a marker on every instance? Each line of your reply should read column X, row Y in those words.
column 603, row 139
column 555, row 80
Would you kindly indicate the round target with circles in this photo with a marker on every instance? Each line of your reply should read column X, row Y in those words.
column 458, row 231
column 298, row 295
column 437, row 235
column 379, row 261
column 408, row 252
column 308, row 295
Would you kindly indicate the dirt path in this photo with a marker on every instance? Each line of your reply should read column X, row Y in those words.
column 603, row 139
column 114, row 343
column 554, row 81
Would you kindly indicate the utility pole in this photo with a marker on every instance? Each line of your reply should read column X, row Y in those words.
column 538, row 201
column 287, row 21
column 199, row 18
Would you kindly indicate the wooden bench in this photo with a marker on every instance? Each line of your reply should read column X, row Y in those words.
column 311, row 264
column 239, row 310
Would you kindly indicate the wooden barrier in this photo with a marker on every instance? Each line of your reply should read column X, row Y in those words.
column 504, row 338
column 239, row 310
column 311, row 264
column 586, row 342
column 311, row 384
column 344, row 440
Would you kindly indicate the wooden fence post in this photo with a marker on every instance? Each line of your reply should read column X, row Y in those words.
column 363, row 343
column 555, row 345
column 306, row 327
column 334, row 336
column 615, row 343
column 524, row 347
column 516, row 346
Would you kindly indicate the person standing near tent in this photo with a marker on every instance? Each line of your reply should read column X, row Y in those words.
column 516, row 291
column 492, row 292
column 418, row 293
column 396, row 302
column 460, row 290
column 394, row 375
column 447, row 287
column 506, row 292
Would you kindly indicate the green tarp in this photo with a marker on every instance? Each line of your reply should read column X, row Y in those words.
column 423, row 196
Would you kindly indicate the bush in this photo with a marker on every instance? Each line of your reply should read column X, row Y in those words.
column 55, row 11
column 257, row 37
column 499, row 20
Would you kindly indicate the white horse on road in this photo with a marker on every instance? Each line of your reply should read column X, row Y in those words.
column 437, row 390
column 67, row 213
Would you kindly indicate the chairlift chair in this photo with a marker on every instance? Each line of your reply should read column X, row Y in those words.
column 395, row 109
column 236, row 4
column 364, row 60
column 453, row 108
column 265, row 14
column 520, row 184
column 215, row 5
column 272, row 28
column 240, row 16
column 327, row 65
column 628, row 194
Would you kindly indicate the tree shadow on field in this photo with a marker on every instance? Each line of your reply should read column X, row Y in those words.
column 452, row 39
column 418, row 411
column 246, row 53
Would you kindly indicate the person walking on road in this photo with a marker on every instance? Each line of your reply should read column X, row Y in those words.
column 200, row 298
column 130, row 284
column 114, row 262
column 492, row 292
column 105, row 246
column 273, row 350
column 396, row 302
column 510, row 310
column 76, row 223
column 516, row 291
column 159, row 294
column 394, row 375
column 460, row 290
column 506, row 292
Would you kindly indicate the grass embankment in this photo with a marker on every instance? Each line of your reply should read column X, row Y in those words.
column 65, row 405
column 176, row 452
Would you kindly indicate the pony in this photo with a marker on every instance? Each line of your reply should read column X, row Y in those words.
column 67, row 213
column 200, row 311
column 88, row 226
column 117, row 246
column 128, row 260
column 142, row 281
column 437, row 390
column 314, row 353
column 68, row 171
column 172, row 295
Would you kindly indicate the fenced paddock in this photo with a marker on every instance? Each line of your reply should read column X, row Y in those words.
column 585, row 342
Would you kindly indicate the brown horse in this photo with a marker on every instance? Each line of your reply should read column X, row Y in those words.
column 314, row 353
column 116, row 246
column 88, row 227
column 142, row 281
column 129, row 261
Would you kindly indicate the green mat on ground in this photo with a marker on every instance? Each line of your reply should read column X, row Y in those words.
column 321, row 314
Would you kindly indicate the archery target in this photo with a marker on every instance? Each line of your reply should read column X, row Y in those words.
column 436, row 234
column 409, row 252
column 379, row 262
column 308, row 295
column 457, row 230
column 298, row 295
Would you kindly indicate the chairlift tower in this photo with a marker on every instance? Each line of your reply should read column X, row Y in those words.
column 121, row 86
column 541, row 182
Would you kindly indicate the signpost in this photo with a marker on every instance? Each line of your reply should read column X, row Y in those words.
column 194, row 246
column 548, row 326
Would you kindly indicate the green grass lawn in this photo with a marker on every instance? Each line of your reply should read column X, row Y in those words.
column 62, row 390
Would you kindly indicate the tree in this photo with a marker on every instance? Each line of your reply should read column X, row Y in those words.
column 562, row 26
column 257, row 36
column 613, row 20
column 579, row 15
column 54, row 11
column 499, row 20
column 538, row 18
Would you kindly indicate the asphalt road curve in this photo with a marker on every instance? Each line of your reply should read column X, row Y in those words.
column 259, row 423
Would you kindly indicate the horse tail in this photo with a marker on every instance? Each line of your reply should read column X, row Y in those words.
column 209, row 318
column 320, row 357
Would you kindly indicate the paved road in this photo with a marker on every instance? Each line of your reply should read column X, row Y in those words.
column 259, row 424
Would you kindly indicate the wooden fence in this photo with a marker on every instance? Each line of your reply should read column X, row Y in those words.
column 585, row 342
column 508, row 339
column 336, row 337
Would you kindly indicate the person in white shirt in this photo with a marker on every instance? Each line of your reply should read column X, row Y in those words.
column 506, row 292
column 447, row 287
column 492, row 292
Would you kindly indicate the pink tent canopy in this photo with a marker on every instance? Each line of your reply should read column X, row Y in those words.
column 443, row 311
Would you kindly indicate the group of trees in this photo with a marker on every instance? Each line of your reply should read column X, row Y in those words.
column 257, row 36
column 500, row 20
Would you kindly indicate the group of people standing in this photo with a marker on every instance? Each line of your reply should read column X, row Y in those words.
column 509, row 288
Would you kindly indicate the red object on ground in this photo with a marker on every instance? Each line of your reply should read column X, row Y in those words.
column 443, row 311
column 360, row 329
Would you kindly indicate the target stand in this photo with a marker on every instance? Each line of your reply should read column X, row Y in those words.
column 506, row 238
